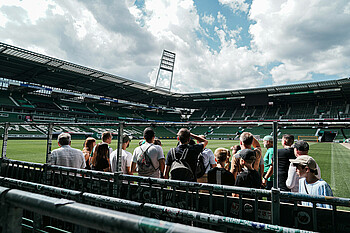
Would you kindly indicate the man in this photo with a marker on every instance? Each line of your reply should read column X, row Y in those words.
column 125, row 158
column 247, row 141
column 184, row 137
column 306, row 168
column 268, row 144
column 107, row 138
column 249, row 177
column 209, row 162
column 66, row 155
column 148, row 157
column 292, row 182
column 284, row 155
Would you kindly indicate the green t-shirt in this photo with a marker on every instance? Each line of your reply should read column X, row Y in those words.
column 268, row 161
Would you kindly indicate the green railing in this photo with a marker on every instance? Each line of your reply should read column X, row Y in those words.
column 197, row 197
column 81, row 216
column 202, row 220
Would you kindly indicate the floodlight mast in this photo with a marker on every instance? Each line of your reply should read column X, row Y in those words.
column 167, row 63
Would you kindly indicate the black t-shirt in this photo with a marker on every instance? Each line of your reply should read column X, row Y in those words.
column 248, row 179
column 220, row 176
column 284, row 155
column 191, row 157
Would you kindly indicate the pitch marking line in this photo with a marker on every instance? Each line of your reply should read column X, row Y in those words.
column 332, row 167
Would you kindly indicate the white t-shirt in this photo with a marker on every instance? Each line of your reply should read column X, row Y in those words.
column 208, row 158
column 155, row 153
column 126, row 161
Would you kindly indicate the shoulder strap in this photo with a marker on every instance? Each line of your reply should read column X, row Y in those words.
column 305, row 186
column 145, row 152
column 184, row 154
column 172, row 152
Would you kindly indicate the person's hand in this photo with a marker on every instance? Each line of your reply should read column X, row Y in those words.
column 264, row 182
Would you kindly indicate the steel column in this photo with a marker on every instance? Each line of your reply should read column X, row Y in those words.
column 120, row 144
column 4, row 140
column 49, row 142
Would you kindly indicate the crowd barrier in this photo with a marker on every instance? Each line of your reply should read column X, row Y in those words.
column 202, row 220
column 82, row 217
column 192, row 196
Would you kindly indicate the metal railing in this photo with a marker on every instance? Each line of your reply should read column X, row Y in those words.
column 202, row 220
column 85, row 216
column 190, row 196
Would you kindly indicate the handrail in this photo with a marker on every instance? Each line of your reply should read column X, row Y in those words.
column 172, row 212
column 83, row 215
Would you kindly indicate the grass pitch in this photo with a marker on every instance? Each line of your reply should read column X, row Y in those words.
column 333, row 158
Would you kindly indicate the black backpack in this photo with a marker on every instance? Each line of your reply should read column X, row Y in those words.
column 201, row 168
column 180, row 169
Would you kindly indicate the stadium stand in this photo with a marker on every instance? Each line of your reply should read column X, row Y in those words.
column 50, row 99
column 38, row 88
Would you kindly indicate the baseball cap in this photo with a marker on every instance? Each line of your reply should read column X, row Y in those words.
column 304, row 160
column 301, row 145
column 268, row 138
column 246, row 154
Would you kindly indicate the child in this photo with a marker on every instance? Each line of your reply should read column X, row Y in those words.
column 309, row 183
column 219, row 175
column 249, row 177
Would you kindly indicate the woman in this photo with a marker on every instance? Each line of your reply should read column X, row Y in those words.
column 88, row 147
column 100, row 159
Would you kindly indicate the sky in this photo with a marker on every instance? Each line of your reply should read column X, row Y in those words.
column 219, row 44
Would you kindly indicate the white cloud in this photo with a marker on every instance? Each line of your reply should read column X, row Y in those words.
column 127, row 40
column 208, row 19
column 307, row 37
column 236, row 5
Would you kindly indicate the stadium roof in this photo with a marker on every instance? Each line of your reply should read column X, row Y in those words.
column 26, row 66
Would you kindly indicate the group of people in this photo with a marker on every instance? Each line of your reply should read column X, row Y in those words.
column 93, row 156
column 245, row 166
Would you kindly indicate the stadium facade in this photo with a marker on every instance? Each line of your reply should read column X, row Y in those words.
column 39, row 88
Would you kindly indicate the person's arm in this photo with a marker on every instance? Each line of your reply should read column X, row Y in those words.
column 128, row 171
column 200, row 139
column 83, row 163
column 261, row 168
column 167, row 170
column 53, row 158
column 257, row 161
column 234, row 167
column 134, row 161
column 168, row 162
column 267, row 175
column 128, row 164
column 133, row 168
column 291, row 179
column 255, row 143
column 212, row 161
column 161, row 166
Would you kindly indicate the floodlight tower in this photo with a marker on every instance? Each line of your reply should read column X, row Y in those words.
column 167, row 64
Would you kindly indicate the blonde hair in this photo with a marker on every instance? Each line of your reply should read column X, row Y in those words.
column 221, row 154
